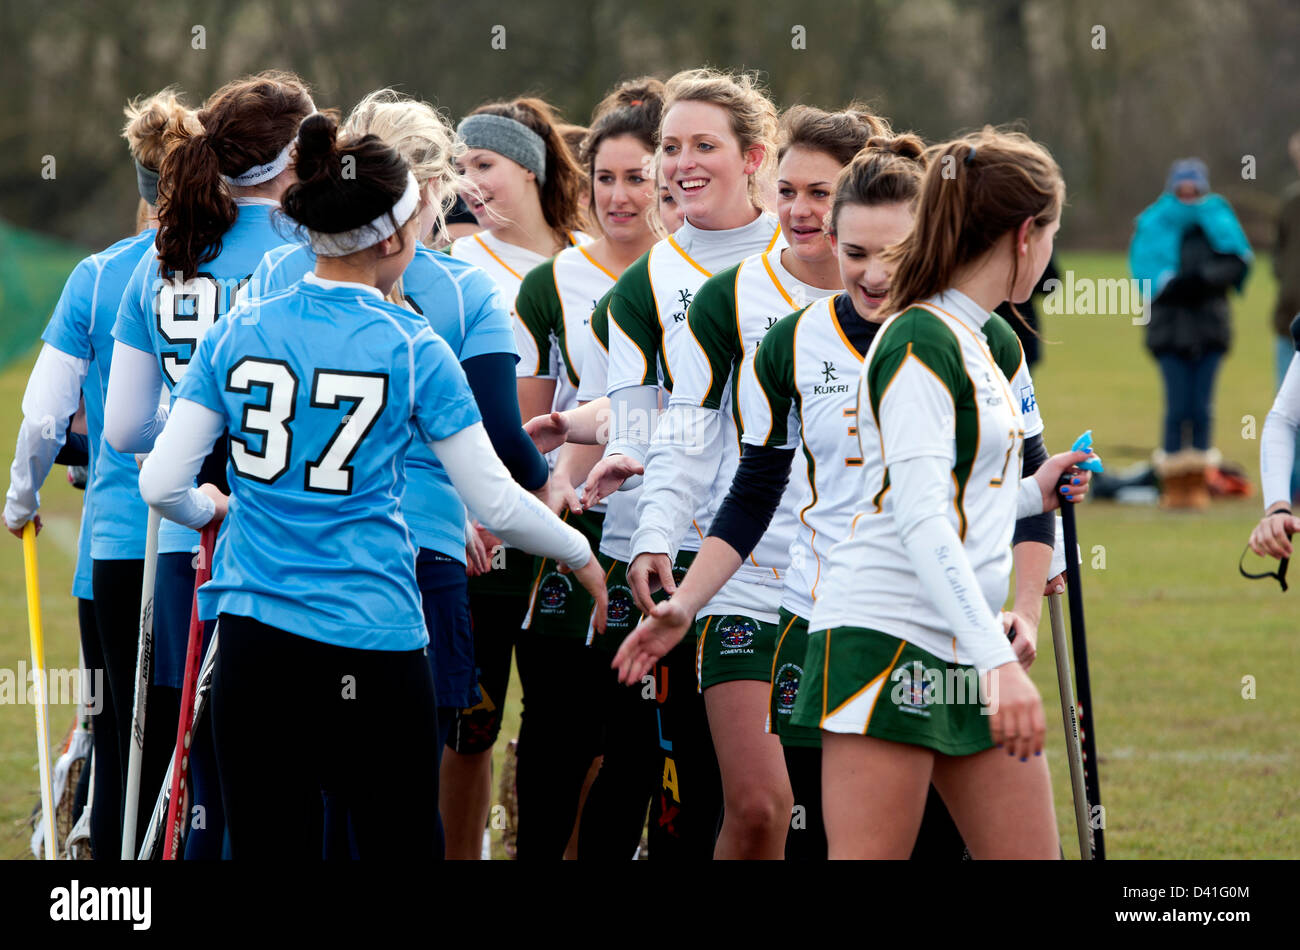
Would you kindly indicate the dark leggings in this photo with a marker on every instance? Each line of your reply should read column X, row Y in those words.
column 630, row 771
column 293, row 717
column 173, row 606
column 116, row 623
column 498, row 602
column 806, row 840
column 106, row 804
column 686, row 809
column 556, row 746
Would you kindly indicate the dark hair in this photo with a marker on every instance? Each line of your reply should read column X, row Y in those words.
column 841, row 135
column 977, row 189
column 328, row 199
column 887, row 171
column 634, row 108
column 244, row 123
column 563, row 196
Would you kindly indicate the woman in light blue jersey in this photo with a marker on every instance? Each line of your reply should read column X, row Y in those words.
column 74, row 364
column 463, row 306
column 221, row 180
column 315, row 571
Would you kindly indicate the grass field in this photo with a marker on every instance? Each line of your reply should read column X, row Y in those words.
column 1189, row 768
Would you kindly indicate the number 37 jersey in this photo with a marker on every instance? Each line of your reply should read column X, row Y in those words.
column 323, row 386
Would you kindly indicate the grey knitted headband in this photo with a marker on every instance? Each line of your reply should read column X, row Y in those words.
column 146, row 182
column 505, row 136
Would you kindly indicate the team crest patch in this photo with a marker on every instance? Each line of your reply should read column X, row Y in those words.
column 554, row 593
column 736, row 635
column 786, row 685
column 621, row 605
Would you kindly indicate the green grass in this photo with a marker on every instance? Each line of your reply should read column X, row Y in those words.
column 1189, row 768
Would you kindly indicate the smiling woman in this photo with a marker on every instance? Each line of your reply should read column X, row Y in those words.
column 524, row 188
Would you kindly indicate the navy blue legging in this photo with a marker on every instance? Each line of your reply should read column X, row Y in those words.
column 1189, row 398
column 173, row 601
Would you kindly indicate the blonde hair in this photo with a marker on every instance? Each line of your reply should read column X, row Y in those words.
column 753, row 115
column 148, row 120
column 420, row 133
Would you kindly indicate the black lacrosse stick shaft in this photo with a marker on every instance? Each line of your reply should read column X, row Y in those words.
column 1083, row 683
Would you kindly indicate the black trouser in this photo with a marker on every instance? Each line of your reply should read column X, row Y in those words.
column 806, row 840
column 498, row 602
column 559, row 735
column 292, row 717
column 686, row 812
column 116, row 622
column 630, row 771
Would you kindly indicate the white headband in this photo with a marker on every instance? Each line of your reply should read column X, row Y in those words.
column 368, row 235
column 260, row 173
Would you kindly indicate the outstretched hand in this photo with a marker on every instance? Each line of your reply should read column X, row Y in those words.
column 548, row 431
column 607, row 476
column 660, row 631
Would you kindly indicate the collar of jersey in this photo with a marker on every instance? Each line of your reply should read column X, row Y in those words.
column 324, row 283
column 245, row 202
column 957, row 304
column 785, row 281
column 691, row 240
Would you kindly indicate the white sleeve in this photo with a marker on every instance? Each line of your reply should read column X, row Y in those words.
column 51, row 399
column 500, row 504
column 1029, row 499
column 593, row 378
column 134, row 408
column 1277, row 441
column 921, row 490
column 680, row 468
column 633, row 413
column 167, row 478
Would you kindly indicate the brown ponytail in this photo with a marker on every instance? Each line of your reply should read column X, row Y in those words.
column 888, row 170
column 244, row 123
column 977, row 189
column 564, row 195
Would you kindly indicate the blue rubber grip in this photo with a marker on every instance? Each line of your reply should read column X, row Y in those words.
column 1084, row 444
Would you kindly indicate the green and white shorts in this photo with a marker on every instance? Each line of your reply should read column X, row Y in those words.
column 622, row 615
column 733, row 647
column 787, row 674
column 559, row 606
column 864, row 682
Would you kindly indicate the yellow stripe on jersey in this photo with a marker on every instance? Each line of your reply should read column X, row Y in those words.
column 595, row 263
column 772, row 274
column 678, row 248
column 512, row 271
column 835, row 322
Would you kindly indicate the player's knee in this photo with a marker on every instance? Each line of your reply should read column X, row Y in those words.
column 761, row 811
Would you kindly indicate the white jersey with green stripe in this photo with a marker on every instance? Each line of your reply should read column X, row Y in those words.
column 507, row 265
column 729, row 317
column 554, row 308
column 803, row 395
column 648, row 314
column 930, row 387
